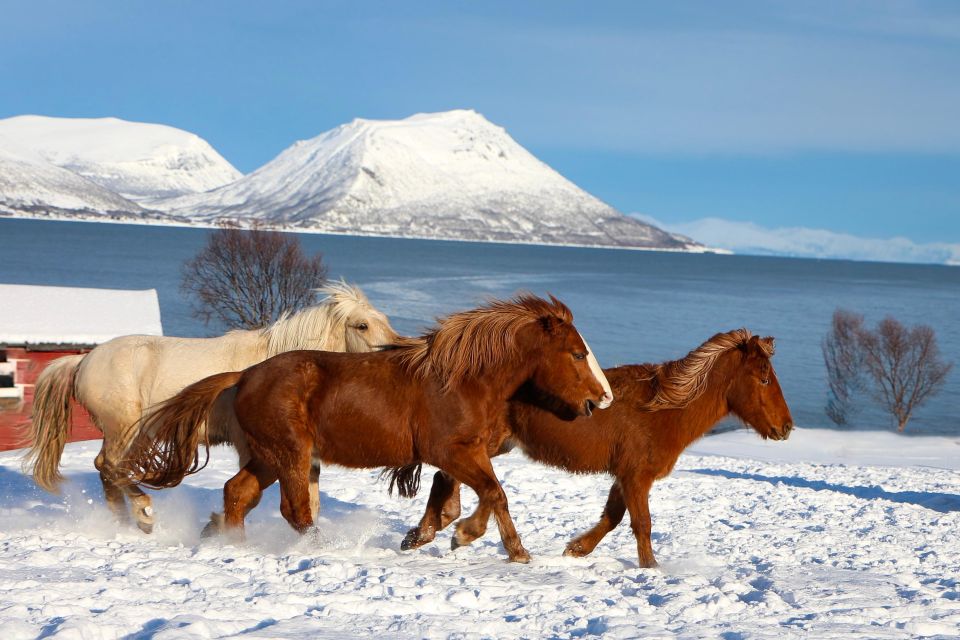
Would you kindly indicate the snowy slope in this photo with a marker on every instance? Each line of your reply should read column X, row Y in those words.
column 443, row 175
column 133, row 159
column 31, row 185
column 810, row 541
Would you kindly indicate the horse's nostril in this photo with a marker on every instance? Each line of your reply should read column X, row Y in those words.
column 605, row 400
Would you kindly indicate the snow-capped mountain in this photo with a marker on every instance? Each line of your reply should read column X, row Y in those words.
column 447, row 175
column 133, row 159
column 31, row 185
column 450, row 175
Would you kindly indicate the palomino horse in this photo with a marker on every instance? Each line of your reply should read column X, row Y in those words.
column 117, row 380
column 661, row 410
column 432, row 399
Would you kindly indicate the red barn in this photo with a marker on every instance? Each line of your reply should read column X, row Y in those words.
column 39, row 324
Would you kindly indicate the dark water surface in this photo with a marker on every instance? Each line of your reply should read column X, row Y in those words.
column 632, row 306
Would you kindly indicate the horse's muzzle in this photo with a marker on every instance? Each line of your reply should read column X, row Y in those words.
column 588, row 406
column 785, row 431
column 605, row 401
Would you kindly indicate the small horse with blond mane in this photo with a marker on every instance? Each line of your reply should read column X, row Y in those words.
column 431, row 399
column 121, row 378
column 661, row 409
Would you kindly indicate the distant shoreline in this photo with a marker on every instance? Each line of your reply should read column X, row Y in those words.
column 147, row 222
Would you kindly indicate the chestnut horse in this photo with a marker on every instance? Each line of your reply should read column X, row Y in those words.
column 433, row 399
column 661, row 409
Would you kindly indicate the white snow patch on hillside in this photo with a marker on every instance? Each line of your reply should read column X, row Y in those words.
column 134, row 159
column 28, row 183
column 807, row 540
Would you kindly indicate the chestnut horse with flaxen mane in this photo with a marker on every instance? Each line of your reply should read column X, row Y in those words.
column 660, row 410
column 434, row 399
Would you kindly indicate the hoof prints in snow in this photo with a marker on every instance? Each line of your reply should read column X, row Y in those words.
column 748, row 549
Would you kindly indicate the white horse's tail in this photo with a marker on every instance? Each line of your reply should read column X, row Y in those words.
column 51, row 421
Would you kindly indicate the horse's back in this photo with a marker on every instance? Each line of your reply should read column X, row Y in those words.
column 357, row 410
column 143, row 370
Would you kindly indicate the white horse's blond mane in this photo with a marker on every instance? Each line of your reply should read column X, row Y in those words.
column 327, row 319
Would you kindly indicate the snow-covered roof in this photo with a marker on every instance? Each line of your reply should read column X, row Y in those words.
column 68, row 315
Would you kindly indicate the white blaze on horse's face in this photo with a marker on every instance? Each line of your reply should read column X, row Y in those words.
column 598, row 374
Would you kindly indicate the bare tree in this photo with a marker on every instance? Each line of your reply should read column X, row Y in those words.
column 246, row 278
column 905, row 366
column 902, row 366
column 844, row 360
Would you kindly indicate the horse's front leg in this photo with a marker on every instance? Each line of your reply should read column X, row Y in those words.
column 443, row 507
column 473, row 468
column 636, row 495
column 612, row 515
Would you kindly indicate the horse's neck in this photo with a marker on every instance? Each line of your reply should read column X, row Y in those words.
column 251, row 346
column 697, row 418
column 498, row 387
column 315, row 328
column 701, row 415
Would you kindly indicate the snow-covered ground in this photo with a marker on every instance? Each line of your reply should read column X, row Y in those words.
column 826, row 535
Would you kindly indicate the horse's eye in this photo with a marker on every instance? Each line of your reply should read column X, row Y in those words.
column 579, row 356
column 764, row 381
column 362, row 326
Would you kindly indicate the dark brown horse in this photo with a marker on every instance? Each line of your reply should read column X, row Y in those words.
column 435, row 399
column 660, row 410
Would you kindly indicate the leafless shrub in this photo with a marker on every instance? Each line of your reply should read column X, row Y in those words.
column 844, row 360
column 246, row 278
column 902, row 365
column 905, row 366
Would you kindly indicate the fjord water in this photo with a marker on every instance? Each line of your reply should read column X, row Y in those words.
column 632, row 306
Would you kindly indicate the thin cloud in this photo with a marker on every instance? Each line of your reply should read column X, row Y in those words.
column 802, row 242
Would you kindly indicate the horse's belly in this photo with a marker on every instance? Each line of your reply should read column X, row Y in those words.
column 364, row 444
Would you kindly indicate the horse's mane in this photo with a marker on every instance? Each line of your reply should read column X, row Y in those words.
column 677, row 383
column 463, row 345
column 323, row 321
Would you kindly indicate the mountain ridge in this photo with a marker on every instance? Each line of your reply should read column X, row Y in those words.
column 451, row 175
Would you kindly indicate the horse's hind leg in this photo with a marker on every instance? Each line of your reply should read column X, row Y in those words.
column 142, row 506
column 314, row 490
column 242, row 493
column 443, row 507
column 111, row 492
column 612, row 515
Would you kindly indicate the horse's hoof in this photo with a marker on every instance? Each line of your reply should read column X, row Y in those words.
column 574, row 550
column 214, row 527
column 522, row 557
column 146, row 527
column 413, row 540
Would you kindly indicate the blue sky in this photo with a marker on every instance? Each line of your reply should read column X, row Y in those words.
column 842, row 115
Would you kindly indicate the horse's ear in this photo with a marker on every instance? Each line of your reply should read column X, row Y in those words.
column 767, row 345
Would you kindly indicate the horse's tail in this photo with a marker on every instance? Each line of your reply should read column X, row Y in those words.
column 166, row 447
column 50, row 423
column 406, row 479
